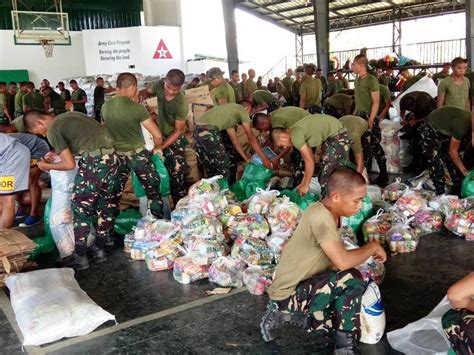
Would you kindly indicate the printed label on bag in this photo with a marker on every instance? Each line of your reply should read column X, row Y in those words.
column 7, row 183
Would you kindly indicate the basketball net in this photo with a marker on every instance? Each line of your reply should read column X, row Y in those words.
column 48, row 46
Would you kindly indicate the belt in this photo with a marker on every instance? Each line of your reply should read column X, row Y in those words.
column 129, row 153
column 97, row 153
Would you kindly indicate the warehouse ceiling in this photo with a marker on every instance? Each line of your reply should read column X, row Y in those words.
column 297, row 16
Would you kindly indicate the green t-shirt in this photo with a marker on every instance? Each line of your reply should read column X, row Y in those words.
column 226, row 116
column 363, row 89
column 169, row 111
column 311, row 89
column 223, row 91
column 333, row 87
column 324, row 82
column 303, row 256
column 238, row 91
column 122, row 117
column 19, row 102
column 78, row 133
column 79, row 94
column 288, row 84
column 383, row 80
column 261, row 96
column 250, row 87
column 57, row 103
column 314, row 130
column 455, row 95
column 384, row 97
column 286, row 117
column 344, row 83
column 340, row 102
column 19, row 125
column 451, row 121
column 296, row 89
column 3, row 103
column 356, row 127
column 34, row 100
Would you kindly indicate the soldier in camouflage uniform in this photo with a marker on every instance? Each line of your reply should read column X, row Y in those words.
column 74, row 134
column 172, row 115
column 306, row 135
column 458, row 323
column 315, row 284
column 123, row 120
column 216, row 140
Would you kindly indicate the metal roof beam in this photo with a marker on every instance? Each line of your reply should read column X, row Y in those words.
column 251, row 11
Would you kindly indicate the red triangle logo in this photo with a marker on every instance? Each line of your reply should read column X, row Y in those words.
column 162, row 51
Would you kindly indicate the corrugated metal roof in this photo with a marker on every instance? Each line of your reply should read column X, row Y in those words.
column 298, row 15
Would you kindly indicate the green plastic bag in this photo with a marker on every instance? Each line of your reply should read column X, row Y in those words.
column 44, row 244
column 302, row 201
column 162, row 173
column 356, row 221
column 254, row 172
column 467, row 188
column 126, row 220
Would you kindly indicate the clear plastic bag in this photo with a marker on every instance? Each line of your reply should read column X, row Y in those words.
column 461, row 224
column 163, row 256
column 252, row 251
column 348, row 236
column 425, row 336
column 205, row 186
column 202, row 225
column 227, row 272
column 260, row 202
column 446, row 204
column 393, row 191
column 427, row 222
column 257, row 279
column 210, row 203
column 49, row 305
column 283, row 216
column 401, row 238
column 232, row 209
column 374, row 228
column 248, row 226
column 410, row 202
column 277, row 241
column 190, row 268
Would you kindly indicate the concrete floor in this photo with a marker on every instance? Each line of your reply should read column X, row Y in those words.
column 158, row 315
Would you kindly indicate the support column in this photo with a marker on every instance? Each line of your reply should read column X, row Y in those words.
column 397, row 31
column 470, row 32
column 299, row 52
column 228, row 8
column 321, row 28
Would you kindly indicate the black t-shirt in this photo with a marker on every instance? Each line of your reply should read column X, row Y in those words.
column 99, row 96
column 66, row 95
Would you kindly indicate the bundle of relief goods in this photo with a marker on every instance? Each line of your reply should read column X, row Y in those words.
column 202, row 225
column 252, row 251
column 210, row 247
column 283, row 216
column 164, row 255
column 246, row 225
column 190, row 268
column 461, row 224
column 277, row 241
column 227, row 271
column 401, row 238
column 446, row 204
column 427, row 221
column 393, row 191
column 374, row 228
column 232, row 209
column 205, row 186
column 261, row 201
column 257, row 279
column 410, row 203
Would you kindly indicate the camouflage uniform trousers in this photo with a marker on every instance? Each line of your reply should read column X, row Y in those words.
column 216, row 152
column 334, row 153
column 371, row 145
column 142, row 165
column 175, row 162
column 93, row 199
column 459, row 328
column 435, row 148
column 332, row 298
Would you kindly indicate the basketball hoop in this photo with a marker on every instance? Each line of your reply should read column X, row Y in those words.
column 48, row 46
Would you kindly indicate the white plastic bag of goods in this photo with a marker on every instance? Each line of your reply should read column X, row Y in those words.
column 49, row 305
column 425, row 84
column 372, row 315
column 425, row 336
column 60, row 220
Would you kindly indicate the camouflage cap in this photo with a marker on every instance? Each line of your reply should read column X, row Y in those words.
column 214, row 73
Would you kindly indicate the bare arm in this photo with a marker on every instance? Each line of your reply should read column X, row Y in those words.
column 460, row 294
column 346, row 259
column 151, row 127
column 308, row 157
column 385, row 109
column 255, row 146
column 302, row 100
column 179, row 128
column 375, row 107
column 359, row 160
column 454, row 145
column 440, row 99
column 7, row 113
column 67, row 162
column 235, row 142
